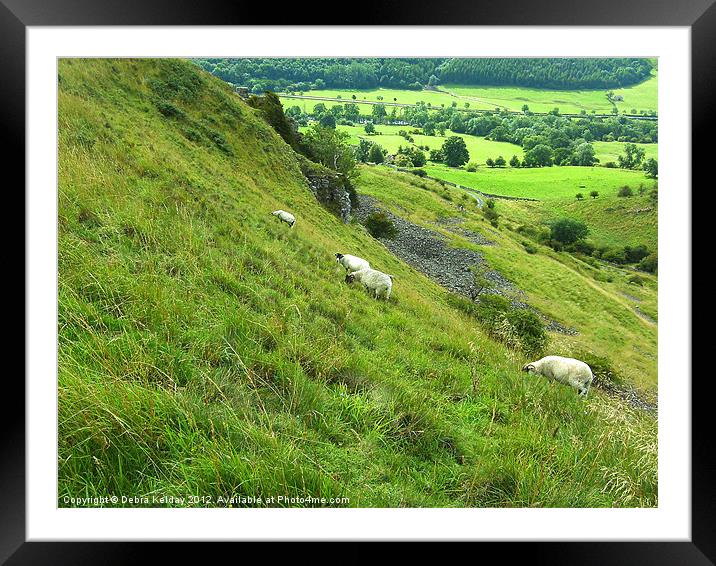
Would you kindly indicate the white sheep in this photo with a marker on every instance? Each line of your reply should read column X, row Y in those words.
column 351, row 262
column 565, row 370
column 373, row 280
column 287, row 217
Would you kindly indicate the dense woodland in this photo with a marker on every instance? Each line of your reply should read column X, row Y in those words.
column 314, row 74
column 562, row 73
column 306, row 74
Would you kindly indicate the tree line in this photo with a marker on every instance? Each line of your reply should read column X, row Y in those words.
column 553, row 129
column 284, row 75
column 304, row 74
column 554, row 73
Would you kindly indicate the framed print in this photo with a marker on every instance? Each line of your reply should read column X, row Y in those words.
column 393, row 282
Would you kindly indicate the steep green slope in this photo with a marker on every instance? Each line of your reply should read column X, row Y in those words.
column 205, row 349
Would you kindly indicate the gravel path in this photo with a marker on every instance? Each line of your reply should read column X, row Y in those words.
column 480, row 202
column 630, row 297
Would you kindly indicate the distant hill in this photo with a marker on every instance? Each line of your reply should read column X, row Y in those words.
column 303, row 74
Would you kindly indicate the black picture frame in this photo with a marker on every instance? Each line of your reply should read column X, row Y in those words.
column 17, row 15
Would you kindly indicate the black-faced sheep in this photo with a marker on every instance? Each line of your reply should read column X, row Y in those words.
column 380, row 283
column 351, row 262
column 287, row 217
column 569, row 371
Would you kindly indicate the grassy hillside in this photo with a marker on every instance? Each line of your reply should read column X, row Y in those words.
column 205, row 349
column 598, row 302
column 612, row 220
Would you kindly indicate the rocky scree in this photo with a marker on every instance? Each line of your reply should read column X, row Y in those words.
column 430, row 253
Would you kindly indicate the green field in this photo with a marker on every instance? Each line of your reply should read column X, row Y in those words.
column 639, row 97
column 434, row 98
column 387, row 136
column 610, row 151
column 205, row 348
column 543, row 183
column 479, row 148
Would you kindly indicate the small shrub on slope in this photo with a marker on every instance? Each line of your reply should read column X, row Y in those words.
column 379, row 225
column 518, row 328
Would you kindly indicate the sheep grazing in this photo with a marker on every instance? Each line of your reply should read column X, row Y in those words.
column 569, row 371
column 287, row 217
column 351, row 262
column 373, row 280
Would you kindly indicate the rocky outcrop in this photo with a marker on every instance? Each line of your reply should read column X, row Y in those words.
column 330, row 192
column 330, row 188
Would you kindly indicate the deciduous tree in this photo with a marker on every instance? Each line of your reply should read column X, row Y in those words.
column 568, row 230
column 455, row 151
column 652, row 168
